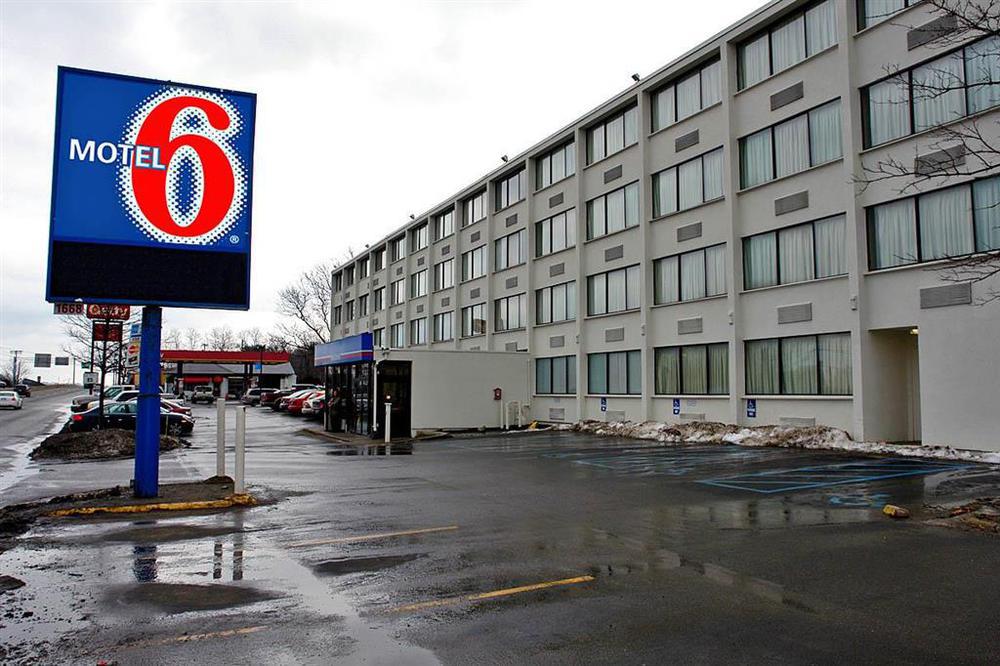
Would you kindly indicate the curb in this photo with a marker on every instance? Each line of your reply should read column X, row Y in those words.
column 244, row 499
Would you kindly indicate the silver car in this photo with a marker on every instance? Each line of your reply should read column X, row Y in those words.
column 10, row 400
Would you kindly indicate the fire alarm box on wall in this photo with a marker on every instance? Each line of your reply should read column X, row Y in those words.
column 498, row 393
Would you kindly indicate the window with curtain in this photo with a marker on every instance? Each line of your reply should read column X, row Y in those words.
column 510, row 250
column 474, row 320
column 444, row 225
column 872, row 12
column 760, row 261
column 418, row 238
column 800, row 365
column 689, row 184
column 379, row 258
column 613, row 134
column 337, row 314
column 555, row 376
column 948, row 88
column 378, row 338
column 555, row 303
column 787, row 43
column 613, row 211
column 692, row 370
column 444, row 274
column 418, row 284
column 444, row 326
column 613, row 291
column 986, row 203
column 474, row 263
column 690, row 276
column 474, row 209
column 397, row 248
column 418, row 331
column 397, row 292
column 614, row 373
column 349, row 310
column 795, row 254
column 944, row 223
column 804, row 141
column 555, row 165
column 510, row 189
column 378, row 299
column 363, row 305
column 510, row 312
column 397, row 336
column 555, row 233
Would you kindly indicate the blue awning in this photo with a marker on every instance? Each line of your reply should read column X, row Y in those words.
column 354, row 349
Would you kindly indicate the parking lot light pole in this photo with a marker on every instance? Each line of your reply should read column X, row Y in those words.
column 147, row 430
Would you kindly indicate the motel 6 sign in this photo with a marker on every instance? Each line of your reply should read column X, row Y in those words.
column 151, row 192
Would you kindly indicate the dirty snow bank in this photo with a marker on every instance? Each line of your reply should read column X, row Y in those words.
column 812, row 437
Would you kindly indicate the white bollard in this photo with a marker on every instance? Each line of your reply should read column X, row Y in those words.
column 220, row 438
column 241, row 444
column 388, row 419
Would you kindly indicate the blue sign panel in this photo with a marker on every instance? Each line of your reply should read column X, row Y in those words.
column 751, row 408
column 604, row 404
column 353, row 349
column 677, row 406
column 151, row 192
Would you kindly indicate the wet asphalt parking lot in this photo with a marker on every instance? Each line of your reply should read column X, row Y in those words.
column 541, row 548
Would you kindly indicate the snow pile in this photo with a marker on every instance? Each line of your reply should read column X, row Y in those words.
column 811, row 437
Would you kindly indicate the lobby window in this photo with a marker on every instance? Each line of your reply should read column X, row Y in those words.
column 807, row 140
column 363, row 305
column 397, row 248
column 555, row 303
column 688, row 184
column 510, row 312
column 474, row 320
column 418, row 284
column 613, row 211
column 362, row 268
column 378, row 338
column 873, row 12
column 946, row 89
column 692, row 370
column 397, row 293
column 803, row 252
column 443, row 326
column 555, row 165
column 555, row 375
column 613, row 134
column 510, row 189
column 444, row 225
column 474, row 263
column 687, row 96
column 614, row 373
column 690, row 276
column 949, row 222
column 418, row 238
column 378, row 299
column 418, row 331
column 474, row 209
column 378, row 258
column 397, row 336
column 510, row 250
column 802, row 365
column 444, row 274
column 555, row 233
column 614, row 291
column 804, row 34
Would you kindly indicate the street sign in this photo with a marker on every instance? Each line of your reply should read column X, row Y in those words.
column 62, row 360
column 43, row 360
column 604, row 404
column 258, row 367
column 107, row 332
column 751, row 408
column 98, row 311
column 133, row 330
column 67, row 308
column 90, row 378
column 677, row 406
column 151, row 192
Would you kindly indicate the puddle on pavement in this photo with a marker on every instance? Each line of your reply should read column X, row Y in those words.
column 400, row 449
column 349, row 565
column 185, row 597
column 164, row 533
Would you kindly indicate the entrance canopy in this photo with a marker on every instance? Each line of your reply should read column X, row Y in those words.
column 355, row 349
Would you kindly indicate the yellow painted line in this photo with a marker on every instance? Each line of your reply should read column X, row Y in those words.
column 186, row 638
column 495, row 594
column 225, row 503
column 372, row 537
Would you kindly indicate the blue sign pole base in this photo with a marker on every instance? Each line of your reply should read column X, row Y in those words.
column 147, row 427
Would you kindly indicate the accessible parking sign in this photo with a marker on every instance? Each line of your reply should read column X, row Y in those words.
column 151, row 192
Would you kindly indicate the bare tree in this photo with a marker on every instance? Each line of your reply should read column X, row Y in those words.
column 172, row 339
column 306, row 303
column 252, row 338
column 14, row 368
column 192, row 338
column 967, row 145
column 222, row 338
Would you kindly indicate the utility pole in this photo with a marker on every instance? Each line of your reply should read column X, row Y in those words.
column 14, row 370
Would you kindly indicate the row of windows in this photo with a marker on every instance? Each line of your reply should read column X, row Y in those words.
column 613, row 291
column 555, row 303
column 418, row 238
column 555, row 233
column 690, row 276
column 872, row 12
column 555, row 165
column 688, row 96
column 444, row 225
column 785, row 44
column 802, row 365
column 510, row 190
column 688, row 184
column 803, row 252
column 613, row 211
column 613, row 135
column 510, row 250
column 444, row 275
column 555, row 375
column 510, row 312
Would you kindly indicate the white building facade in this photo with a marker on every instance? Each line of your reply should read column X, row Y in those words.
column 699, row 247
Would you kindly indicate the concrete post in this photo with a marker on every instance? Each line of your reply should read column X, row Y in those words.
column 220, row 438
column 241, row 443
column 388, row 424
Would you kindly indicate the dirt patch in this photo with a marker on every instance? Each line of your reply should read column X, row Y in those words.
column 981, row 515
column 96, row 445
column 185, row 597
column 349, row 565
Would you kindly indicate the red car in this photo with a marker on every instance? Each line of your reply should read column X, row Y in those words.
column 295, row 406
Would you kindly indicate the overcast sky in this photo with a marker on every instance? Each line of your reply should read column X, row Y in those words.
column 366, row 111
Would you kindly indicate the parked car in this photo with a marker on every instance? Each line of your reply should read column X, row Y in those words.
column 285, row 401
column 268, row 396
column 122, row 415
column 251, row 397
column 315, row 405
column 275, row 403
column 203, row 393
column 23, row 390
column 120, row 396
column 81, row 403
column 10, row 400
column 170, row 405
column 295, row 406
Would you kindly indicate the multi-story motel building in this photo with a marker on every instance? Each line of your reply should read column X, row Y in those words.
column 698, row 247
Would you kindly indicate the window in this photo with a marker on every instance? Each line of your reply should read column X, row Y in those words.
column 397, row 335
column 379, row 258
column 872, row 12
column 795, row 254
column 397, row 248
column 613, row 134
column 613, row 211
column 555, row 165
column 443, row 326
column 474, row 263
column 510, row 189
column 474, row 209
column 349, row 276
column 378, row 338
column 807, row 140
column 510, row 312
column 444, row 225
column 363, row 305
column 798, row 37
column 960, row 83
column 692, row 370
column 444, row 275
column 378, row 302
column 418, row 284
column 511, row 250
column 949, row 222
column 690, row 276
column 474, row 320
column 555, row 376
column 555, row 303
column 555, row 233
column 397, row 292
column 686, row 97
column 689, row 184
column 337, row 314
column 338, row 282
column 614, row 373
column 362, row 268
column 614, row 291
column 418, row 238
column 418, row 331
column 349, row 311
column 803, row 365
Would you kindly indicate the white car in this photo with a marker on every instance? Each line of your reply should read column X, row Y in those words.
column 10, row 400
